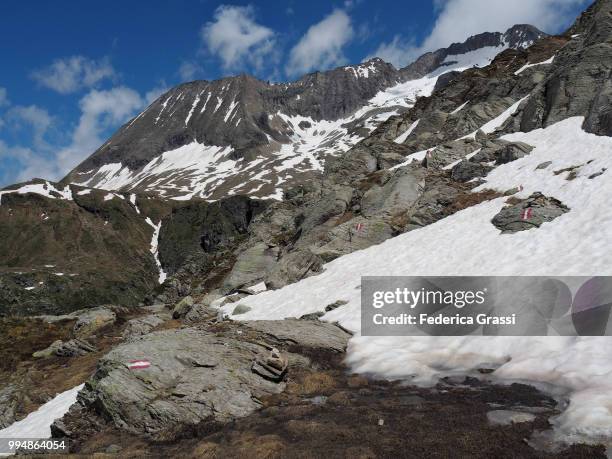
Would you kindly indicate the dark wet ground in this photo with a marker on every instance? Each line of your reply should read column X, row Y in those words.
column 326, row 413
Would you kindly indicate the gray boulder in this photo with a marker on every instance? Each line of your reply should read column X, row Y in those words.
column 303, row 333
column 182, row 307
column 512, row 152
column 251, row 265
column 529, row 213
column 397, row 194
column 294, row 266
column 195, row 375
column 201, row 312
column 90, row 321
column 72, row 348
column 143, row 325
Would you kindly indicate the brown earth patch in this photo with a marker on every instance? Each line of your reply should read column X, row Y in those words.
column 469, row 199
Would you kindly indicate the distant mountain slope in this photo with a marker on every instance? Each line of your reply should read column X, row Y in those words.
column 240, row 135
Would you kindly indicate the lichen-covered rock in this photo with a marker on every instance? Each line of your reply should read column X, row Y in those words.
column 89, row 322
column 71, row 348
column 74, row 348
column 182, row 307
column 303, row 333
column 512, row 152
column 468, row 170
column 397, row 194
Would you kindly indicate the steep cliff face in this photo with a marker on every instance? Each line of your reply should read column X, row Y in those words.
column 240, row 135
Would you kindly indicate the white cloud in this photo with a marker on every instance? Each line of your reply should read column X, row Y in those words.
column 3, row 97
column 321, row 46
column 460, row 19
column 74, row 73
column 236, row 38
column 100, row 110
column 31, row 164
column 398, row 52
column 35, row 117
column 189, row 70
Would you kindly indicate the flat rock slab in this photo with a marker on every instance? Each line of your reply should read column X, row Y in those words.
column 509, row 417
column 143, row 325
column 304, row 333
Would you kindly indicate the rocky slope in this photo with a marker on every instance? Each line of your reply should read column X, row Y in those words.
column 239, row 135
column 64, row 248
column 438, row 169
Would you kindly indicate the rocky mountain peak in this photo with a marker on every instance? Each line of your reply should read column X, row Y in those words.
column 241, row 135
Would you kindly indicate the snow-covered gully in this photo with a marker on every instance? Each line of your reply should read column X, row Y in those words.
column 155, row 248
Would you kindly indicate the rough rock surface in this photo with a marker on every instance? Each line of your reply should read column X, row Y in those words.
column 182, row 307
column 579, row 82
column 89, row 322
column 195, row 374
column 71, row 348
column 143, row 325
column 529, row 213
column 10, row 398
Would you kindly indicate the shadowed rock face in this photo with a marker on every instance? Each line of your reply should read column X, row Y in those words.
column 200, row 228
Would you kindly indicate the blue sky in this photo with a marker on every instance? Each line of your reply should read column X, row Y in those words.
column 73, row 72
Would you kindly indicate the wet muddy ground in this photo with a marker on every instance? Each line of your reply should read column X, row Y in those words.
column 328, row 413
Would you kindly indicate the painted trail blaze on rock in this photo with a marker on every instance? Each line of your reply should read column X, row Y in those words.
column 138, row 364
column 527, row 213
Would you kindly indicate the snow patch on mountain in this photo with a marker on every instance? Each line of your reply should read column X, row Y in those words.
column 402, row 137
column 498, row 121
column 477, row 58
column 155, row 248
column 526, row 66
column 44, row 189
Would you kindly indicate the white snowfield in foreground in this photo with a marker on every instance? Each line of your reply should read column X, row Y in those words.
column 38, row 423
column 466, row 243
